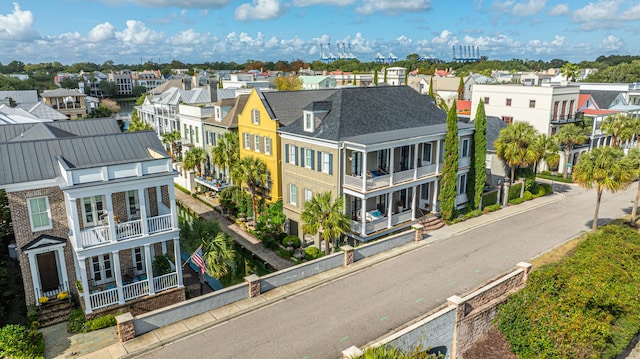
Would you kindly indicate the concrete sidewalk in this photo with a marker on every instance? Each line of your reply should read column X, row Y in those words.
column 208, row 319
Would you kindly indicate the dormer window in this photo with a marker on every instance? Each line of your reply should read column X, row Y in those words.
column 218, row 114
column 308, row 121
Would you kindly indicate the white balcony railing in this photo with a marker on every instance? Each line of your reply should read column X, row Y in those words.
column 464, row 162
column 402, row 176
column 378, row 182
column 427, row 170
column 377, row 225
column 94, row 236
column 129, row 229
column 356, row 226
column 401, row 217
column 104, row 298
column 165, row 282
column 160, row 223
column 135, row 290
column 352, row 181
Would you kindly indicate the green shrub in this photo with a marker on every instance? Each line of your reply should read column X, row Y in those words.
column 106, row 321
column 76, row 321
column 489, row 198
column 291, row 241
column 311, row 253
column 528, row 196
column 270, row 242
column 516, row 201
column 283, row 253
column 472, row 214
column 161, row 265
column 547, row 188
column 16, row 341
column 529, row 177
column 491, row 208
column 514, row 191
column 586, row 306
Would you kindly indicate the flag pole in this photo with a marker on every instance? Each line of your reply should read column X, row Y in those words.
column 191, row 256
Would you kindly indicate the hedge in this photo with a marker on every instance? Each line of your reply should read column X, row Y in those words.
column 514, row 191
column 489, row 198
column 586, row 306
column 16, row 341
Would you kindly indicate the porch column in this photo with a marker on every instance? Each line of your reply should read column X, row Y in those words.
column 35, row 278
column 149, row 268
column 434, row 195
column 437, row 161
column 63, row 269
column 172, row 201
column 118, row 272
column 86, row 291
column 143, row 211
column 74, row 224
column 389, row 208
column 392, row 165
column 414, row 205
column 364, row 171
column 415, row 161
column 111, row 216
column 363, row 217
column 178, row 260
column 159, row 196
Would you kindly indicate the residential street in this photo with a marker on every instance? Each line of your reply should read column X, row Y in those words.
column 353, row 310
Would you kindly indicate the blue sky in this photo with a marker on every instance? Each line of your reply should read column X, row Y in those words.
column 193, row 31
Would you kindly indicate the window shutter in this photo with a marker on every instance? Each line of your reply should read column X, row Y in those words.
column 296, row 152
column 302, row 157
column 330, row 164
column 319, row 161
column 244, row 140
column 286, row 153
column 312, row 159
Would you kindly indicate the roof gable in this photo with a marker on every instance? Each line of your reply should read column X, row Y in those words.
column 43, row 241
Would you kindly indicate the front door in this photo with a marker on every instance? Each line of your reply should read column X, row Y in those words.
column 48, row 270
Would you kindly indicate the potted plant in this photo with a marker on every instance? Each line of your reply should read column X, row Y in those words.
column 43, row 300
column 63, row 295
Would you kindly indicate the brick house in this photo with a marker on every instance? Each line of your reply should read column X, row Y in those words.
column 93, row 209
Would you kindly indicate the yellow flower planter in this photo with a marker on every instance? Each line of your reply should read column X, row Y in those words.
column 43, row 300
column 63, row 295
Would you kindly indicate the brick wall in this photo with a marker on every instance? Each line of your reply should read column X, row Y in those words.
column 119, row 204
column 24, row 235
column 164, row 191
column 153, row 202
column 145, row 304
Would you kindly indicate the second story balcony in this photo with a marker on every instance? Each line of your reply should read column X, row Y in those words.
column 119, row 216
column 560, row 119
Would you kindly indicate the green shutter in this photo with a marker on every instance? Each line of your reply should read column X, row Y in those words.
column 286, row 153
column 303, row 159
column 319, row 161
column 330, row 164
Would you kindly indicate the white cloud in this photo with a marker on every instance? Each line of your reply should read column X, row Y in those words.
column 101, row 32
column 202, row 4
column 632, row 13
column 190, row 37
column 260, row 10
column 303, row 3
column 594, row 12
column 17, row 25
column 612, row 43
column 393, row 7
column 404, row 41
column 138, row 33
column 558, row 40
column 445, row 37
column 527, row 8
column 560, row 9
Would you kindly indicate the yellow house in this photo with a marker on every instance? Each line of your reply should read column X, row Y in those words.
column 263, row 114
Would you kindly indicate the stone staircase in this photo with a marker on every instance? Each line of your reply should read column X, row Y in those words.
column 54, row 312
column 430, row 223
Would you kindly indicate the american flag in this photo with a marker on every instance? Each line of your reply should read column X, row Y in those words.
column 197, row 259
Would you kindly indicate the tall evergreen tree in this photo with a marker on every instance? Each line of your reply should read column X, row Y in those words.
column 430, row 93
column 450, row 168
column 477, row 171
column 375, row 77
column 461, row 89
column 385, row 75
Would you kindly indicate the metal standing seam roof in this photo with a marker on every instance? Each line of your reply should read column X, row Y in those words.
column 28, row 161
column 21, row 96
column 88, row 127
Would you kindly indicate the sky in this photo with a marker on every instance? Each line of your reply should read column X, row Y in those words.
column 197, row 31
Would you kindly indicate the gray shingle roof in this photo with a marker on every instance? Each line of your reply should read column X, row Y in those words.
column 494, row 126
column 28, row 161
column 89, row 127
column 359, row 112
column 602, row 98
column 287, row 105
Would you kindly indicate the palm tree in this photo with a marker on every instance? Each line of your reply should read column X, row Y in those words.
column 320, row 213
column 193, row 158
column 618, row 127
column 137, row 124
column 570, row 71
column 567, row 138
column 634, row 162
column 606, row 168
column 171, row 139
column 516, row 146
column 226, row 152
column 634, row 130
column 253, row 172
column 219, row 254
column 547, row 148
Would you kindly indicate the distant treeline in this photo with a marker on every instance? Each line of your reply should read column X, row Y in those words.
column 613, row 68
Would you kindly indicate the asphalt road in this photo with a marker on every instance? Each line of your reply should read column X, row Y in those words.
column 365, row 305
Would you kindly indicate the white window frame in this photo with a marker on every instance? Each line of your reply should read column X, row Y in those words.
column 267, row 145
column 133, row 204
column 308, row 194
column 97, row 205
column 139, row 266
column 41, row 211
column 256, row 143
column 426, row 154
column 325, row 162
column 293, row 194
column 292, row 154
column 308, row 157
column 462, row 184
column 247, row 141
column 105, row 268
column 308, row 121
column 464, row 151
column 255, row 116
